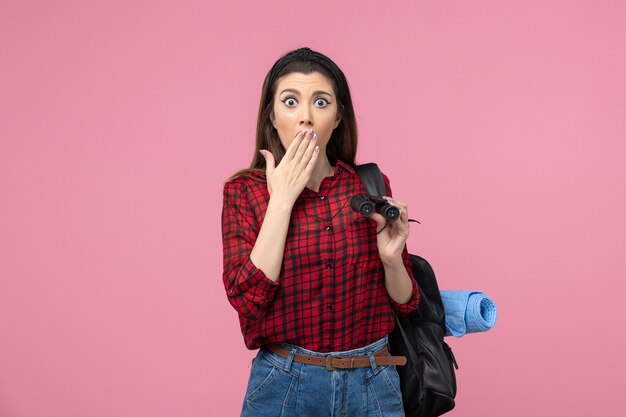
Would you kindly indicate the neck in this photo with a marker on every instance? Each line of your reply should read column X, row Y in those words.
column 321, row 170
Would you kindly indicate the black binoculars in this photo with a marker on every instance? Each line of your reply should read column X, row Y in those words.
column 366, row 205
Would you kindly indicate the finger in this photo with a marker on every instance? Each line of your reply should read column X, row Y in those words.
column 403, row 208
column 403, row 213
column 269, row 162
column 308, row 169
column 396, row 203
column 404, row 219
column 303, row 146
column 379, row 219
column 310, row 149
column 293, row 147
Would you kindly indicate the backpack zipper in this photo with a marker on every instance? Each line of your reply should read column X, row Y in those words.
column 451, row 355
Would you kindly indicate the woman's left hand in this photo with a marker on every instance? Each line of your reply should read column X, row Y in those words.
column 391, row 239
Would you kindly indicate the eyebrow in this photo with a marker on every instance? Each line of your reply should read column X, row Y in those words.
column 291, row 90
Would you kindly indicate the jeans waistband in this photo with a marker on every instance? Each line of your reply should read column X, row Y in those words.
column 362, row 351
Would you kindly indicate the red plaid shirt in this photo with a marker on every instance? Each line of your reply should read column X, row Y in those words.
column 330, row 294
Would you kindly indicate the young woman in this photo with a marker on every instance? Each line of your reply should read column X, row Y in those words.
column 315, row 283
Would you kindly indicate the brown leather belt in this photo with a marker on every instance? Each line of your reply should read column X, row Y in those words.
column 333, row 362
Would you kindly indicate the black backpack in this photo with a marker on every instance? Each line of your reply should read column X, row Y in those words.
column 428, row 379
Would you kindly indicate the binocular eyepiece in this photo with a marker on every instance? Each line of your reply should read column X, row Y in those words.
column 367, row 204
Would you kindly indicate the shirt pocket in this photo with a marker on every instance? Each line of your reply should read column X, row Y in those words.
column 362, row 246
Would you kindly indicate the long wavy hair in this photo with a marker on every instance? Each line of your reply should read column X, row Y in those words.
column 343, row 141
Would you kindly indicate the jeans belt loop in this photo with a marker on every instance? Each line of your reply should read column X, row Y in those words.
column 372, row 361
column 289, row 361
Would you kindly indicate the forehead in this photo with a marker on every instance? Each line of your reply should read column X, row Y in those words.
column 304, row 82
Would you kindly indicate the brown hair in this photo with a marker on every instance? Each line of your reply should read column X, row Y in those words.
column 343, row 141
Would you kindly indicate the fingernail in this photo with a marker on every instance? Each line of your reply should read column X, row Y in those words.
column 315, row 136
column 317, row 149
column 310, row 131
column 303, row 134
column 262, row 152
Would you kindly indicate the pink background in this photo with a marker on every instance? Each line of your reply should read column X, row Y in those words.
column 501, row 124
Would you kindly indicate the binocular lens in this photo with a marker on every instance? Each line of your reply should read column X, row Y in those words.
column 361, row 204
column 366, row 209
column 390, row 213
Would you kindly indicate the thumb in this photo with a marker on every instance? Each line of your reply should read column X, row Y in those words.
column 379, row 219
column 269, row 161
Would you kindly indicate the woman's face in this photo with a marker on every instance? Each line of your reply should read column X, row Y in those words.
column 305, row 101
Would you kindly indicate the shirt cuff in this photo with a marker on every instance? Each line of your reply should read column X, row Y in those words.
column 254, row 284
column 404, row 309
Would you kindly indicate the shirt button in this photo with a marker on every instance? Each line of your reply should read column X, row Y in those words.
column 329, row 264
column 329, row 307
column 328, row 228
column 230, row 291
column 322, row 197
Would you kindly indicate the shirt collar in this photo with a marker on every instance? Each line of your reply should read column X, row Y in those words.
column 342, row 166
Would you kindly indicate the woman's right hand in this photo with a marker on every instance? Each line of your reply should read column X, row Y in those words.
column 288, row 179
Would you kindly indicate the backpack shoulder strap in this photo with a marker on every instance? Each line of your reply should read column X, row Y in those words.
column 372, row 178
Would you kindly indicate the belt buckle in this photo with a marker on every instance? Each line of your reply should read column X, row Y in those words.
column 329, row 360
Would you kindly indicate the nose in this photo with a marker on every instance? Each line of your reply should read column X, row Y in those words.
column 306, row 116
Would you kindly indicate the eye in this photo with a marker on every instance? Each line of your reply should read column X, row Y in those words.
column 324, row 100
column 289, row 99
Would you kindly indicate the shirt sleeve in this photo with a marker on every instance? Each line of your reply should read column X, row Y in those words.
column 404, row 309
column 248, row 289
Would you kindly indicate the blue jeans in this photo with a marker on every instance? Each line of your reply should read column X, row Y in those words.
column 281, row 387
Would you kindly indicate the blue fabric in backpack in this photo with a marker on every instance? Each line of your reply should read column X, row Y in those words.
column 468, row 312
